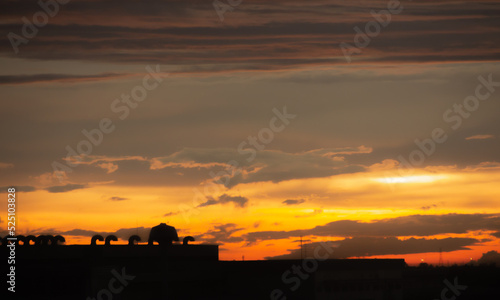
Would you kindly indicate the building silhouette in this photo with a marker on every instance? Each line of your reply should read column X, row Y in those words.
column 162, row 269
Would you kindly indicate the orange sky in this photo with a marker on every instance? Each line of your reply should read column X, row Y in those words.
column 363, row 197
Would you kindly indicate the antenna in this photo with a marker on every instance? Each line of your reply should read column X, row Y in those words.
column 301, row 250
column 441, row 257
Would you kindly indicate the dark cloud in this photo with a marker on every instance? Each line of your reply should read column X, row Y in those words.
column 491, row 257
column 20, row 188
column 268, row 165
column 43, row 78
column 221, row 234
column 237, row 200
column 293, row 201
column 428, row 207
column 371, row 246
column 172, row 213
column 123, row 233
column 415, row 225
column 65, row 188
column 117, row 198
column 298, row 35
column 83, row 232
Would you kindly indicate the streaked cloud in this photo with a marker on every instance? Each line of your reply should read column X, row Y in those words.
column 19, row 188
column 480, row 137
column 65, row 188
column 415, row 225
column 237, row 200
column 6, row 165
column 268, row 165
column 370, row 246
column 293, row 201
column 58, row 78
column 300, row 35
column 484, row 166
column 116, row 198
column 221, row 233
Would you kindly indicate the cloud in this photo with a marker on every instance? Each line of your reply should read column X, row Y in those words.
column 237, row 200
column 428, row 207
column 371, row 246
column 102, row 161
column 221, row 233
column 484, row 166
column 122, row 233
column 172, row 213
column 480, row 137
column 491, row 257
column 20, row 188
column 6, row 165
column 299, row 35
column 268, row 165
column 311, row 214
column 414, row 225
column 293, row 201
column 49, row 178
column 109, row 167
column 59, row 78
column 117, row 198
column 65, row 188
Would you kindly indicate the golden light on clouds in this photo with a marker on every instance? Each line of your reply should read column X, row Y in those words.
column 411, row 179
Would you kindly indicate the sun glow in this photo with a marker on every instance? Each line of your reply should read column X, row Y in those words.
column 411, row 179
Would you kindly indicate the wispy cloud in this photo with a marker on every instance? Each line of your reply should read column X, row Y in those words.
column 19, row 188
column 369, row 246
column 6, row 165
column 65, row 188
column 415, row 225
column 305, row 34
column 268, row 165
column 237, row 200
column 480, row 137
column 293, row 201
column 115, row 198
column 59, row 78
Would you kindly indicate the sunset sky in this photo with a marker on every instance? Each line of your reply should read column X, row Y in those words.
column 253, row 127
